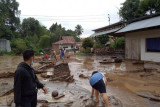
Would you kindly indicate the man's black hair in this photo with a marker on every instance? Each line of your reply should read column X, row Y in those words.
column 27, row 54
column 94, row 72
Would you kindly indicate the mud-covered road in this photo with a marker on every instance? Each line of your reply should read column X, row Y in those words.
column 125, row 80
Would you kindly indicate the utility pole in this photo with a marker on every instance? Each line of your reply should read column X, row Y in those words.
column 109, row 19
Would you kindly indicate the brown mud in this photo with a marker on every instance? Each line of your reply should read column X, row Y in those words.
column 125, row 79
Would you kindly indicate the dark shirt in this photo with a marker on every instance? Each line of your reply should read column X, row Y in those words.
column 25, row 82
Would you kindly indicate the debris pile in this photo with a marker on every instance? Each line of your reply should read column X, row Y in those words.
column 62, row 73
column 6, row 74
column 112, row 60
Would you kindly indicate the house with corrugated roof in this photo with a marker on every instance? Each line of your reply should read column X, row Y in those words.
column 142, row 37
column 67, row 43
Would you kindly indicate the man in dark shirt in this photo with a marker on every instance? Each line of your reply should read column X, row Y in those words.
column 26, row 82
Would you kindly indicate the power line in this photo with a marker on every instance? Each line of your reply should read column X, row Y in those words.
column 65, row 16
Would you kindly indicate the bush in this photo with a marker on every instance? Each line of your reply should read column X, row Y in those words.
column 103, row 39
column 44, row 41
column 18, row 46
column 88, row 42
column 87, row 50
column 97, row 44
column 119, row 43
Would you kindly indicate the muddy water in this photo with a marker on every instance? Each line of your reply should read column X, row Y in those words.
column 123, row 87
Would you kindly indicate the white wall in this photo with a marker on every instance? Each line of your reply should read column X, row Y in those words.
column 69, row 46
column 149, row 56
column 5, row 45
column 142, row 35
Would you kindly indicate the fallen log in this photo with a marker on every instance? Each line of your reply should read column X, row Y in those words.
column 148, row 95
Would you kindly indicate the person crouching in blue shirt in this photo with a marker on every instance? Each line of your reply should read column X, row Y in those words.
column 98, row 83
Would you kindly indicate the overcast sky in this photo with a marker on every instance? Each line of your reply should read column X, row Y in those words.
column 91, row 14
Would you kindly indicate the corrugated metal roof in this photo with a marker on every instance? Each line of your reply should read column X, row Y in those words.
column 147, row 23
column 105, row 32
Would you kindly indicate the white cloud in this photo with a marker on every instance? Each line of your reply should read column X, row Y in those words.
column 92, row 13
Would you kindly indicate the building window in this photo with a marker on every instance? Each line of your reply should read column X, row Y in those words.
column 65, row 47
column 153, row 44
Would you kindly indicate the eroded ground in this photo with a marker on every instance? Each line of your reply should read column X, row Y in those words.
column 125, row 80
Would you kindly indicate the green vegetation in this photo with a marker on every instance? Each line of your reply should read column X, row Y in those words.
column 132, row 9
column 44, row 41
column 97, row 44
column 78, row 30
column 119, row 43
column 29, row 34
column 81, row 53
column 103, row 39
column 88, row 42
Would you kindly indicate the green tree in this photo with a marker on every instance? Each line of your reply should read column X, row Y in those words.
column 78, row 30
column 9, row 20
column 18, row 46
column 31, row 26
column 119, row 43
column 103, row 39
column 88, row 42
column 44, row 41
column 150, row 6
column 130, row 10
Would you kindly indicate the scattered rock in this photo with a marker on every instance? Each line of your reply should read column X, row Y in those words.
column 109, row 79
column 138, row 62
column 114, row 102
column 44, row 105
column 59, row 96
column 117, row 60
column 55, row 93
column 6, row 74
column 83, row 76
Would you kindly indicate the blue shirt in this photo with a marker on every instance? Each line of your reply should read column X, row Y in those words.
column 95, row 78
column 62, row 53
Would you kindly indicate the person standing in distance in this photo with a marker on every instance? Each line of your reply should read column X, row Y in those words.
column 98, row 83
column 26, row 83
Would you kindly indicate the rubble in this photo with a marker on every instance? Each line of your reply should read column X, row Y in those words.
column 114, row 60
column 138, row 62
column 6, row 74
column 62, row 73
column 83, row 76
column 6, row 88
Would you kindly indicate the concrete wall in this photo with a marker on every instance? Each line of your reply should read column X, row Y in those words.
column 140, row 45
column 5, row 45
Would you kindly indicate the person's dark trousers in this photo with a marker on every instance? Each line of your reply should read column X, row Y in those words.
column 30, row 101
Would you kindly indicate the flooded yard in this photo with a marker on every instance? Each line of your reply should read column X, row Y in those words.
column 125, row 79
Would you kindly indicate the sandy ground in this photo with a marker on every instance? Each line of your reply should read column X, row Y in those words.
column 124, row 86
